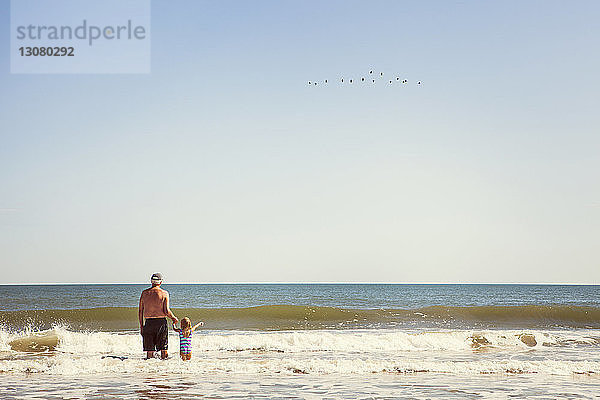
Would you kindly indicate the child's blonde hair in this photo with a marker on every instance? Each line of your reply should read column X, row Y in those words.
column 186, row 327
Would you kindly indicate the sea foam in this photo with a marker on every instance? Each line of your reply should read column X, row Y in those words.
column 320, row 352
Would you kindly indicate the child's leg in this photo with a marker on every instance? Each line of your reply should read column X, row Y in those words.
column 188, row 356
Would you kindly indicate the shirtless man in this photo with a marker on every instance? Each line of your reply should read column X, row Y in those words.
column 154, row 307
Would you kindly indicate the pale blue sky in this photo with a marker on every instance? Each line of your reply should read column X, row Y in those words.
column 223, row 165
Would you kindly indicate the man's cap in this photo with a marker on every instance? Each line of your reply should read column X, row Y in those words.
column 156, row 277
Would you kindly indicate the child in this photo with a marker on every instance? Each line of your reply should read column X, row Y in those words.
column 185, row 337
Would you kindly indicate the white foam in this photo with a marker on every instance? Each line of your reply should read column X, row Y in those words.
column 320, row 352
column 373, row 341
column 64, row 365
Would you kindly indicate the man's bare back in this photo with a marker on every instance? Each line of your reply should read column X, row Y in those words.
column 154, row 302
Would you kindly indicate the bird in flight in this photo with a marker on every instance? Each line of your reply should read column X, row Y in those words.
column 362, row 79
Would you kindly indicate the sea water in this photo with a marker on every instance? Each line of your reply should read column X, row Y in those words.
column 306, row 341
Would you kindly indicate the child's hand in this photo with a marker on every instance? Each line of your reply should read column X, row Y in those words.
column 197, row 325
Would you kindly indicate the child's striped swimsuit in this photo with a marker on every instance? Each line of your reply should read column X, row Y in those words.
column 185, row 343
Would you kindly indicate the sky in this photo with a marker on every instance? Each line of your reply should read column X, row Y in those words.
column 224, row 165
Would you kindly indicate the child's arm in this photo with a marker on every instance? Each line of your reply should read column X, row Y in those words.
column 197, row 325
column 176, row 329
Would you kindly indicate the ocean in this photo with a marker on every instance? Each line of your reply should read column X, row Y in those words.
column 306, row 341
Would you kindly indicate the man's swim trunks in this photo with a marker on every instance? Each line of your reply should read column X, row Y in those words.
column 155, row 334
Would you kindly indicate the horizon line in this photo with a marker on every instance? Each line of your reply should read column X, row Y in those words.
column 302, row 283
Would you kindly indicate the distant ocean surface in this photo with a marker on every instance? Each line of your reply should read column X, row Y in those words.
column 306, row 340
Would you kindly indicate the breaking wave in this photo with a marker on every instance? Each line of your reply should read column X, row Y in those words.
column 289, row 317
column 65, row 352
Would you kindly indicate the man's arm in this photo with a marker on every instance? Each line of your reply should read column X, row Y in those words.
column 168, row 311
column 141, row 313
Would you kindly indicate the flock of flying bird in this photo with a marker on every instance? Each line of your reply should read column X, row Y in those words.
column 371, row 77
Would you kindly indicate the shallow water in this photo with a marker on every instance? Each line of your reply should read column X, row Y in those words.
column 362, row 363
column 324, row 342
column 269, row 386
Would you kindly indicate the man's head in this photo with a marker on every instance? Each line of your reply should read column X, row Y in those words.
column 156, row 279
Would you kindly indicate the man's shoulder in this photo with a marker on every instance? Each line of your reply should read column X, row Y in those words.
column 160, row 291
column 156, row 291
column 148, row 291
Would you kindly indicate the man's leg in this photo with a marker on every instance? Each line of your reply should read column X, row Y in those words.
column 148, row 344
column 162, row 340
column 148, row 340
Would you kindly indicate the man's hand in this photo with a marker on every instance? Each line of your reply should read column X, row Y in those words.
column 175, row 320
